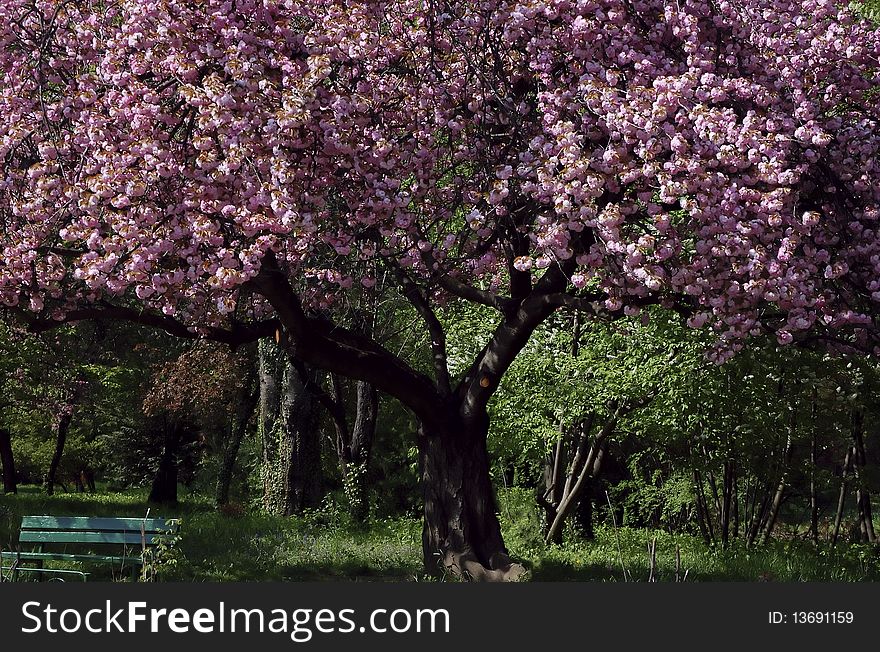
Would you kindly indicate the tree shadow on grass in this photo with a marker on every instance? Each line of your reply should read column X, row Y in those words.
column 348, row 571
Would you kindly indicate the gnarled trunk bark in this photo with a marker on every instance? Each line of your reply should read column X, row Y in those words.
column 288, row 432
column 302, row 463
column 7, row 461
column 461, row 534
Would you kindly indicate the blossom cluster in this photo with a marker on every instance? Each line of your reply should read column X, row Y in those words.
column 722, row 156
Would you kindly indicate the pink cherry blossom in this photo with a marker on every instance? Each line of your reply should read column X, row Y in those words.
column 719, row 157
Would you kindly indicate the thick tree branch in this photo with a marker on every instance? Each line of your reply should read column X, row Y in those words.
column 336, row 349
column 235, row 334
column 482, row 379
column 475, row 295
column 435, row 329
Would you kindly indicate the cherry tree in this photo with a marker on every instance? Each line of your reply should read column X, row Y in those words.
column 241, row 169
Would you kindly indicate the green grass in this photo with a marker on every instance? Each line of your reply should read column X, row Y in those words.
column 324, row 545
column 214, row 547
column 621, row 553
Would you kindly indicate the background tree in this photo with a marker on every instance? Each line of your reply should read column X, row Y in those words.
column 208, row 393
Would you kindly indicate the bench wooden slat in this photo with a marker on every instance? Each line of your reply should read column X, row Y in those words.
column 88, row 531
column 58, row 556
column 98, row 524
column 79, row 536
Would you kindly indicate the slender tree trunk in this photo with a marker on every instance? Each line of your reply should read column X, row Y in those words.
column 557, row 484
column 230, row 451
column 841, row 496
column 461, row 534
column 248, row 397
column 779, row 495
column 703, row 514
column 713, row 486
column 62, row 427
column 270, row 372
column 7, row 461
column 164, row 489
column 748, row 504
column 227, row 464
column 814, row 496
column 584, row 513
column 863, row 496
column 354, row 445
column 760, row 513
column 736, row 510
column 580, row 472
column 554, row 479
column 726, row 502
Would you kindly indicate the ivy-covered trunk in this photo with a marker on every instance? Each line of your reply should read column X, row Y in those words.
column 289, row 433
column 354, row 444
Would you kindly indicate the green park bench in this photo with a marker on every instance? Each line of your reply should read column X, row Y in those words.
column 74, row 538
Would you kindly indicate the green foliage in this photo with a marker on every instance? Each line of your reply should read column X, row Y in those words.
column 870, row 9
column 161, row 559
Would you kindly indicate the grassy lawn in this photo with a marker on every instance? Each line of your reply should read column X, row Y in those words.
column 324, row 545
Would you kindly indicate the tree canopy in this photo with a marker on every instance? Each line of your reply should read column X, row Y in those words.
column 693, row 152
column 236, row 170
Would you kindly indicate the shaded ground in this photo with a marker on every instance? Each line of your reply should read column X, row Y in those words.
column 324, row 545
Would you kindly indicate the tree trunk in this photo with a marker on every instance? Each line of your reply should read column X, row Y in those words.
column 270, row 372
column 580, row 471
column 863, row 496
column 554, row 480
column 227, row 465
column 584, row 513
column 354, row 445
column 783, row 481
column 814, row 496
column 164, row 489
column 841, row 496
column 62, row 427
column 239, row 426
column 728, row 478
column 289, row 435
column 302, row 444
column 461, row 534
column 736, row 510
column 7, row 461
column 230, row 456
column 759, row 512
column 703, row 514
